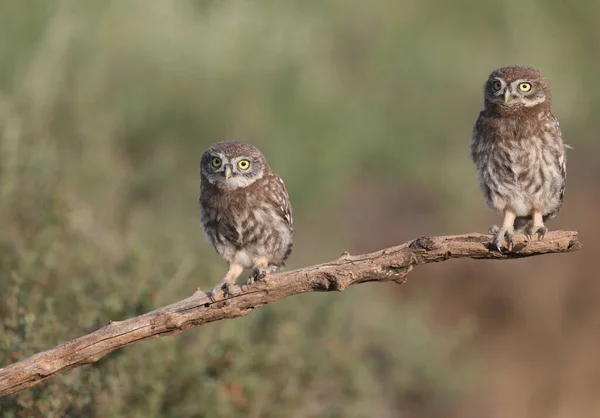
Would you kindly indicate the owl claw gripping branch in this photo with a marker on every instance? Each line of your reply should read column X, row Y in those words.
column 518, row 149
column 245, row 210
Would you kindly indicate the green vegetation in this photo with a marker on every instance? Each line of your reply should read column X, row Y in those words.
column 105, row 108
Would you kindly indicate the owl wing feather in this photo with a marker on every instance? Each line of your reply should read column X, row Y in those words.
column 280, row 199
column 562, row 151
column 561, row 161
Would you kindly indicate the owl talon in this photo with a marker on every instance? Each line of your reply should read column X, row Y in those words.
column 496, row 239
column 510, row 240
column 223, row 290
column 260, row 273
column 227, row 290
column 497, row 242
column 257, row 274
column 541, row 232
column 508, row 236
column 252, row 278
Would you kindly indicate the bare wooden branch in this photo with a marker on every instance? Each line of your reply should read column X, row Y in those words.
column 390, row 264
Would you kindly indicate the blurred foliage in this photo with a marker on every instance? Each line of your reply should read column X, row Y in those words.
column 105, row 108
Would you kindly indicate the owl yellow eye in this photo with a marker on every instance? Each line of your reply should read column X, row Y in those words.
column 496, row 85
column 244, row 164
column 525, row 86
column 216, row 162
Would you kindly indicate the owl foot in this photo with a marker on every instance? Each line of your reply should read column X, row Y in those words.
column 509, row 237
column 226, row 286
column 506, row 231
column 259, row 273
column 538, row 227
column 221, row 291
column 541, row 232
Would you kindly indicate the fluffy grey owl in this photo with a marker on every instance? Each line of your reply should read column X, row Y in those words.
column 245, row 211
column 519, row 152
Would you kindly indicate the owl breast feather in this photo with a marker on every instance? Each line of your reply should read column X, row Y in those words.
column 518, row 172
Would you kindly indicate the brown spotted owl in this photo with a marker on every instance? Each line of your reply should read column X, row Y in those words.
column 245, row 211
column 518, row 149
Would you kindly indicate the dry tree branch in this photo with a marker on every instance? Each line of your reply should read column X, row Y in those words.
column 390, row 264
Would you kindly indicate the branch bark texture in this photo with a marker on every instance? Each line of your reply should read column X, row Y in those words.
column 390, row 264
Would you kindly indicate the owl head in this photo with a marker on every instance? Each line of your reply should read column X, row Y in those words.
column 232, row 164
column 516, row 88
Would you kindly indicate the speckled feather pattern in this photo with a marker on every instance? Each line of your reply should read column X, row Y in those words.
column 246, row 223
column 520, row 155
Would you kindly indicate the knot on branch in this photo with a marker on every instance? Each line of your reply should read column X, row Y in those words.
column 399, row 272
column 424, row 243
column 327, row 282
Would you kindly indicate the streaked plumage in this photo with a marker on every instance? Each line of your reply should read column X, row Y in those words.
column 245, row 211
column 518, row 149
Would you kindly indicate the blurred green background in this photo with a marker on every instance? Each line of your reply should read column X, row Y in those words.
column 365, row 109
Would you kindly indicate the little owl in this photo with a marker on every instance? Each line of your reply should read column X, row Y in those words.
column 245, row 211
column 519, row 152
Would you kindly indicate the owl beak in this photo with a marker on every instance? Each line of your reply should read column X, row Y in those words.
column 228, row 171
column 507, row 96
